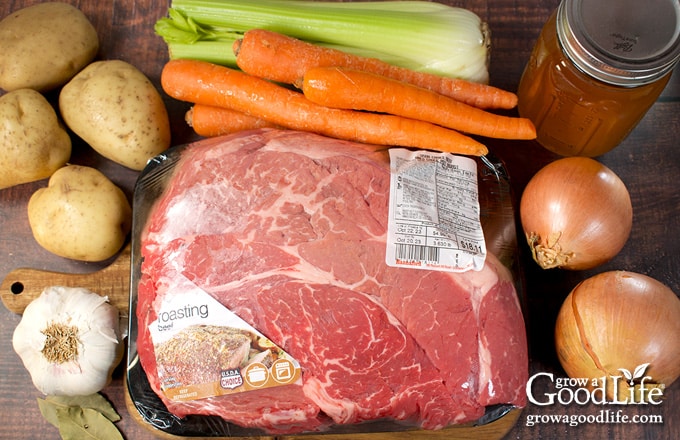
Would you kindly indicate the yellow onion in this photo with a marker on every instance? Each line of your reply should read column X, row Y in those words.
column 622, row 328
column 576, row 214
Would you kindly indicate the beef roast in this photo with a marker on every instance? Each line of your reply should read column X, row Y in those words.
column 288, row 230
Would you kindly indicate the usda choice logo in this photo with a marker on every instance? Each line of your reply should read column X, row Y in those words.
column 628, row 388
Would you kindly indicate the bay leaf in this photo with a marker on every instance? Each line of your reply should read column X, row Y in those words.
column 94, row 401
column 76, row 423
column 48, row 411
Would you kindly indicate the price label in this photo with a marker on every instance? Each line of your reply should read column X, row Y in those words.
column 434, row 212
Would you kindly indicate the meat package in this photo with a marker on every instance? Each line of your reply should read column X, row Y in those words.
column 287, row 231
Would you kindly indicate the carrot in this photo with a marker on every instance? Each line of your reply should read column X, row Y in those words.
column 211, row 121
column 284, row 59
column 358, row 90
column 209, row 84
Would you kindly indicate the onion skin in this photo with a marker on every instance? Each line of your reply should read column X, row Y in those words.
column 620, row 319
column 576, row 214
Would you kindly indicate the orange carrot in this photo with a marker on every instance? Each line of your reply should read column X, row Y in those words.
column 358, row 90
column 209, row 84
column 284, row 59
column 211, row 121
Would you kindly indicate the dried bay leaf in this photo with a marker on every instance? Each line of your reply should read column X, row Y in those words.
column 81, row 417
column 48, row 411
column 94, row 401
column 76, row 423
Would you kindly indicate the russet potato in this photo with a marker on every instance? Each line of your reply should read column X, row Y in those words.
column 114, row 107
column 32, row 142
column 80, row 215
column 44, row 46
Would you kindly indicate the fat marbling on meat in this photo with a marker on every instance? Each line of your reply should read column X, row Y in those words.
column 288, row 229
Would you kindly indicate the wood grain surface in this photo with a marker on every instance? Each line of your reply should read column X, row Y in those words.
column 23, row 285
column 648, row 161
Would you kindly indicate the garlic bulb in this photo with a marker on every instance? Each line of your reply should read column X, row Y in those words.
column 69, row 340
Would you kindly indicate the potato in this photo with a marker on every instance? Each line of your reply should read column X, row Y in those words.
column 80, row 215
column 44, row 46
column 33, row 144
column 114, row 107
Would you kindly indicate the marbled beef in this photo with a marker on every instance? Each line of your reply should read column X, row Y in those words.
column 288, row 230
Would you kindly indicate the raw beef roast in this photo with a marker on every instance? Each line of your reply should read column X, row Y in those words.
column 288, row 230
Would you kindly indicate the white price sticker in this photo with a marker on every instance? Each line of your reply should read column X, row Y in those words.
column 434, row 212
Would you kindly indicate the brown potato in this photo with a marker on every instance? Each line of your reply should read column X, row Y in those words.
column 80, row 215
column 114, row 107
column 44, row 46
column 33, row 144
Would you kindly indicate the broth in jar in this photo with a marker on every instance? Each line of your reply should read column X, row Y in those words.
column 590, row 79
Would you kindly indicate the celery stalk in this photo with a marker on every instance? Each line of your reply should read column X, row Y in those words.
column 420, row 35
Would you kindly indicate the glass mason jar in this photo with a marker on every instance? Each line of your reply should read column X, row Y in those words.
column 596, row 69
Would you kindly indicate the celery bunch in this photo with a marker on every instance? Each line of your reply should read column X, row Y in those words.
column 419, row 35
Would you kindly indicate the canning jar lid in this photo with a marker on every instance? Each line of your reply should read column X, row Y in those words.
column 621, row 42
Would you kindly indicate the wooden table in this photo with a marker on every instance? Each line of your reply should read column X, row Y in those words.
column 647, row 161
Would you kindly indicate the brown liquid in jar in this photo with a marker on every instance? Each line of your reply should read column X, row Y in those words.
column 574, row 114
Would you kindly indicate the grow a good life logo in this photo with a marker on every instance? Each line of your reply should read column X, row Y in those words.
column 628, row 388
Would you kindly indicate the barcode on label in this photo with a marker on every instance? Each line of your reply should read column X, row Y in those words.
column 413, row 252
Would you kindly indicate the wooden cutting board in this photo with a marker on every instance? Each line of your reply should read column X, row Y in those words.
column 21, row 286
